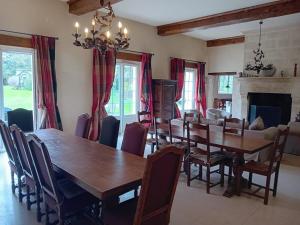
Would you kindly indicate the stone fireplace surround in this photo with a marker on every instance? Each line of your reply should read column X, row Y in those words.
column 281, row 85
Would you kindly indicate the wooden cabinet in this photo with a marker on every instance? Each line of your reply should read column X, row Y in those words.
column 164, row 92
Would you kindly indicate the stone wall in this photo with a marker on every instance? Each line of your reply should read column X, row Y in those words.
column 281, row 48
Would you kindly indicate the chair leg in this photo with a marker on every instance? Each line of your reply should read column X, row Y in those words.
column 276, row 180
column 38, row 205
column 188, row 173
column 20, row 189
column 208, row 179
column 229, row 173
column 13, row 185
column 238, row 182
column 266, row 199
column 152, row 148
column 222, row 168
column 47, row 214
column 200, row 172
column 250, row 180
column 61, row 220
column 28, row 197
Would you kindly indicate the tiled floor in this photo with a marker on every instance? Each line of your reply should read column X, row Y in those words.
column 192, row 206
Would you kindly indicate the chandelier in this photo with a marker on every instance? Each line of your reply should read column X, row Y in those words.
column 258, row 56
column 100, row 35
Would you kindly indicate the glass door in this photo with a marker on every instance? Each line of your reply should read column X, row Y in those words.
column 16, row 76
column 124, row 103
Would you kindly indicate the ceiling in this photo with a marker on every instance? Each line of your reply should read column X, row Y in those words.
column 160, row 12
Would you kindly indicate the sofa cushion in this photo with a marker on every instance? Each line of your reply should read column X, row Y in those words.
column 257, row 124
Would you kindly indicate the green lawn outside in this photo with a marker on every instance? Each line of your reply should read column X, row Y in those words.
column 14, row 98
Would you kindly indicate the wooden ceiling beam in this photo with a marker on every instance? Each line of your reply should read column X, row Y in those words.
column 80, row 7
column 263, row 11
column 225, row 41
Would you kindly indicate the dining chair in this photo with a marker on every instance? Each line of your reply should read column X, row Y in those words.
column 144, row 118
column 14, row 162
column 31, row 180
column 192, row 116
column 154, row 204
column 109, row 131
column 162, row 131
column 234, row 126
column 60, row 196
column 202, row 156
column 265, row 169
column 134, row 139
column 21, row 117
column 83, row 125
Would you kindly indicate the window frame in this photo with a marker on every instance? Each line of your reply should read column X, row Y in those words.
column 194, row 71
column 228, row 76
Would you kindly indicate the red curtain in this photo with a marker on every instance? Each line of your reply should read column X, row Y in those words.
column 146, row 84
column 46, row 88
column 200, row 97
column 177, row 73
column 103, row 78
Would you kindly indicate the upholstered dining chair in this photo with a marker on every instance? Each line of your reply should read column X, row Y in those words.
column 61, row 196
column 83, row 125
column 21, row 117
column 144, row 118
column 134, row 139
column 202, row 156
column 109, row 131
column 154, row 204
column 265, row 169
column 14, row 162
column 31, row 180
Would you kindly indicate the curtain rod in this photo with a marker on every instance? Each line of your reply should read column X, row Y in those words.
column 138, row 52
column 189, row 60
column 27, row 34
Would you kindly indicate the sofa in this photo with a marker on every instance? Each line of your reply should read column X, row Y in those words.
column 293, row 141
column 216, row 114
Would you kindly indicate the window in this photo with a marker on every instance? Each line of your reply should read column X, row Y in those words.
column 187, row 102
column 123, row 102
column 225, row 84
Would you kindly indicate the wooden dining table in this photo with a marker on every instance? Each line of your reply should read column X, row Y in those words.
column 99, row 169
column 240, row 145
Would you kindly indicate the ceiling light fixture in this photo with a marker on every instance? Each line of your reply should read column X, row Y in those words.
column 100, row 35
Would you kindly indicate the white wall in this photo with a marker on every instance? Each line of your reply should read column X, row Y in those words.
column 280, row 45
column 74, row 65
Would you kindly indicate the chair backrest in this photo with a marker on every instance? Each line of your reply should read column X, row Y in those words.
column 158, row 187
column 21, row 117
column 109, row 131
column 144, row 118
column 43, row 167
column 199, row 134
column 134, row 139
column 176, row 129
column 234, row 126
column 192, row 117
column 23, row 151
column 278, row 147
column 83, row 125
column 162, row 128
column 9, row 144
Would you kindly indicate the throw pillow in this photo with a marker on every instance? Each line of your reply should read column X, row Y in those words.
column 257, row 124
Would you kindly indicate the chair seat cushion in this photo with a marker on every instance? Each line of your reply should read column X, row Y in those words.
column 256, row 167
column 198, row 154
column 123, row 214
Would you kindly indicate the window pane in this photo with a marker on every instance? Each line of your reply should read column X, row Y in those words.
column 130, row 89
column 188, row 94
column 225, row 84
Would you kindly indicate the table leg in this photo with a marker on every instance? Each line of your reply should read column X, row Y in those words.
column 238, row 161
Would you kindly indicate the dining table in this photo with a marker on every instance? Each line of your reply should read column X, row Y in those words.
column 101, row 170
column 237, row 144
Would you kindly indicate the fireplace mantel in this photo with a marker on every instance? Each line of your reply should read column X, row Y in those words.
column 282, row 85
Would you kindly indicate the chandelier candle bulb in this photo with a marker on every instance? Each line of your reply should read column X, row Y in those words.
column 108, row 34
column 86, row 31
column 120, row 26
column 125, row 32
column 77, row 27
column 93, row 24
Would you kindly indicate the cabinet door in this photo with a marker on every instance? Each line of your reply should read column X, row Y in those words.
column 168, row 100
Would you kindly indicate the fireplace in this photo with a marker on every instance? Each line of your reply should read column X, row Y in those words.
column 273, row 108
